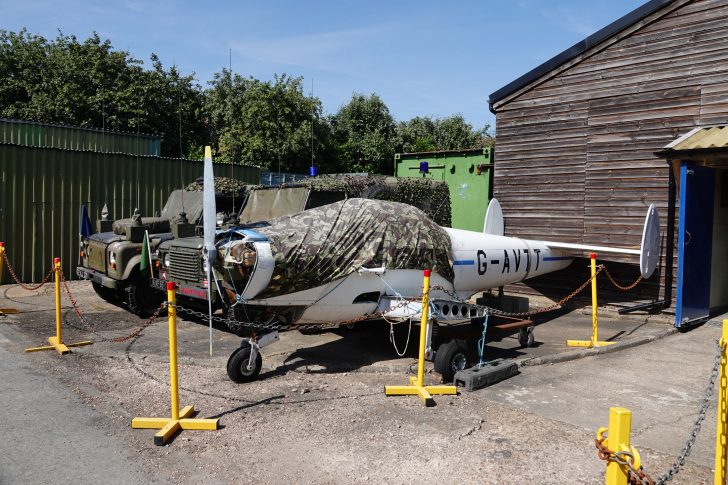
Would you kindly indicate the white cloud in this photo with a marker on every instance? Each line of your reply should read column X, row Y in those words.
column 576, row 20
column 328, row 51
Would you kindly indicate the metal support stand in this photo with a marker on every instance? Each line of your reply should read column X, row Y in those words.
column 416, row 385
column 4, row 311
column 56, row 343
column 594, row 342
column 180, row 419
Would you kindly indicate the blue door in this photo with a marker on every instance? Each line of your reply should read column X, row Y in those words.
column 695, row 243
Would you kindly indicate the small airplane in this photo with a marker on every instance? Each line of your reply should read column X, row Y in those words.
column 362, row 259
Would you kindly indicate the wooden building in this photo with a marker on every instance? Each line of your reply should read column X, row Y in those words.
column 576, row 137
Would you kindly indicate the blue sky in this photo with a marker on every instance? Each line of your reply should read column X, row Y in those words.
column 422, row 57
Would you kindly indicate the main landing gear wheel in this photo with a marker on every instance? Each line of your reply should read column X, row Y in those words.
column 451, row 357
column 525, row 337
column 237, row 365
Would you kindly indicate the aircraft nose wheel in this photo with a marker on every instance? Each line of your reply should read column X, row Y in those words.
column 238, row 369
column 525, row 337
column 451, row 357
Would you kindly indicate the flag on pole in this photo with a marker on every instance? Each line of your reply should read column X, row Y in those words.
column 85, row 230
column 145, row 265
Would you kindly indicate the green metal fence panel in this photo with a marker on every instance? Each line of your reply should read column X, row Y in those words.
column 468, row 174
column 45, row 135
column 42, row 189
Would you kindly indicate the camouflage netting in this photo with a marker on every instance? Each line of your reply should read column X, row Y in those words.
column 430, row 196
column 224, row 186
column 330, row 242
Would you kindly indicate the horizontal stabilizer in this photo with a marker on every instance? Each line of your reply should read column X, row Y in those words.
column 649, row 251
column 590, row 248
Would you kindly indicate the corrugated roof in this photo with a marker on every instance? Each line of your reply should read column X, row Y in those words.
column 579, row 48
column 50, row 135
column 701, row 138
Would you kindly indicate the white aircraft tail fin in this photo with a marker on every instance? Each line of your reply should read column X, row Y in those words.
column 649, row 251
column 493, row 223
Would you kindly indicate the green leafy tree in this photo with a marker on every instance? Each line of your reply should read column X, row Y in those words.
column 266, row 123
column 92, row 85
column 422, row 134
column 363, row 131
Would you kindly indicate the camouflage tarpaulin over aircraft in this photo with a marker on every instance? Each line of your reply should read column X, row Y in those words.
column 330, row 242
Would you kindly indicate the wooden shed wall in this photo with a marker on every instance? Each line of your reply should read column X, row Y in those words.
column 575, row 150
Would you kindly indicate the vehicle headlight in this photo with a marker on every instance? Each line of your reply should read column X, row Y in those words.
column 167, row 260
column 112, row 258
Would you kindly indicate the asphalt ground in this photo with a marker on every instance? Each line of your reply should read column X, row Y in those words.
column 318, row 414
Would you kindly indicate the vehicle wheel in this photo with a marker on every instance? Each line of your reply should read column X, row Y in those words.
column 237, row 365
column 451, row 357
column 142, row 299
column 106, row 294
column 525, row 337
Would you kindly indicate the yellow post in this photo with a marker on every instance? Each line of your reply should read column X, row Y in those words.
column 594, row 342
column 423, row 328
column 180, row 419
column 57, row 271
column 173, row 380
column 620, row 425
column 721, row 433
column 2, row 260
column 6, row 311
column 417, row 384
column 618, row 440
column 595, row 317
column 56, row 343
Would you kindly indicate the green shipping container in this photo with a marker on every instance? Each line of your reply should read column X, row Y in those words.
column 468, row 173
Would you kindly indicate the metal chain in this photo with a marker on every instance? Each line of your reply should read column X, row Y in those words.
column 236, row 325
column 680, row 461
column 495, row 311
column 136, row 333
column 92, row 327
column 617, row 285
column 635, row 475
column 17, row 280
column 640, row 476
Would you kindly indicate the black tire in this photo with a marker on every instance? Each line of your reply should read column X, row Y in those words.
column 107, row 294
column 142, row 299
column 525, row 337
column 451, row 357
column 237, row 365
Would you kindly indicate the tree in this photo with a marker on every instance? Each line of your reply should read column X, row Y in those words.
column 422, row 134
column 89, row 84
column 363, row 130
column 266, row 123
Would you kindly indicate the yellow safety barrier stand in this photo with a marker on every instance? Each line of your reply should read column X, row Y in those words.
column 594, row 342
column 417, row 386
column 721, row 433
column 180, row 419
column 617, row 447
column 6, row 311
column 57, row 341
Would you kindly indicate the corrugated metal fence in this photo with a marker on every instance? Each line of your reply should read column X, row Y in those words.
column 42, row 189
column 47, row 135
